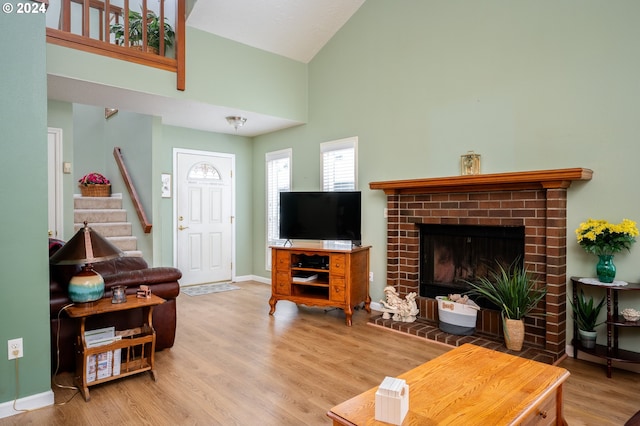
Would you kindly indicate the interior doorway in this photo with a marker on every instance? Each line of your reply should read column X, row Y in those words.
column 54, row 179
column 204, row 211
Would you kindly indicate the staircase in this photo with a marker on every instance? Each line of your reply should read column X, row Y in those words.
column 106, row 216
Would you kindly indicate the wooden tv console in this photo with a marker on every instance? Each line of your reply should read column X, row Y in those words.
column 321, row 277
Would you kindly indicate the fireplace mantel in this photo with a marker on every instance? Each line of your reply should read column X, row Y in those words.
column 538, row 179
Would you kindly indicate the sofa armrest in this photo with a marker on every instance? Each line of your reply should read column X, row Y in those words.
column 150, row 276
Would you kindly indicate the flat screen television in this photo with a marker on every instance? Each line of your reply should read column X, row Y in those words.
column 332, row 216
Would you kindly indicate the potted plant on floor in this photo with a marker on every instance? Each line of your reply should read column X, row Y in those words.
column 135, row 31
column 515, row 292
column 586, row 317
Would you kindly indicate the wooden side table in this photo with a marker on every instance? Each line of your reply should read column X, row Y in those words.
column 471, row 385
column 137, row 346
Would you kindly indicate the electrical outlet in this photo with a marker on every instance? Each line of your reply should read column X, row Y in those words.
column 370, row 276
column 15, row 348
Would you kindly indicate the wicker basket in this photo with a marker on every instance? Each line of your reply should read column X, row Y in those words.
column 95, row 190
column 513, row 334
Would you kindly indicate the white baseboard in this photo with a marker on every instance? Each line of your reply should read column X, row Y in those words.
column 28, row 403
column 253, row 278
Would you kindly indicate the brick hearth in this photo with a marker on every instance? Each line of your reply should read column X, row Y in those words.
column 536, row 200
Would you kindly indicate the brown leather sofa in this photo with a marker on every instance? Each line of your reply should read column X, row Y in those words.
column 124, row 271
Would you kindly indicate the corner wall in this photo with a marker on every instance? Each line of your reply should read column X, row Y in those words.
column 24, row 305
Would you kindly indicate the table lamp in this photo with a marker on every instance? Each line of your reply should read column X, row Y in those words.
column 85, row 248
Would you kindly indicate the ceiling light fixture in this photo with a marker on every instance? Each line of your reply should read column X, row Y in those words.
column 236, row 121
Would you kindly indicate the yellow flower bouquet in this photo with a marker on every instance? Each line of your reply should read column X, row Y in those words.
column 601, row 237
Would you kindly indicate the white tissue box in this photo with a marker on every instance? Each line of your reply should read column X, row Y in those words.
column 392, row 401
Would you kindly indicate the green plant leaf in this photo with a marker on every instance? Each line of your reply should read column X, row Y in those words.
column 513, row 289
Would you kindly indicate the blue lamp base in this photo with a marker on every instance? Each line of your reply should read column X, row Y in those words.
column 86, row 286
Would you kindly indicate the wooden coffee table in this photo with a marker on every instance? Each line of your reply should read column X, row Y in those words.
column 470, row 385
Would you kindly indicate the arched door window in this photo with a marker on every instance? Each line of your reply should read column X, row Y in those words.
column 204, row 171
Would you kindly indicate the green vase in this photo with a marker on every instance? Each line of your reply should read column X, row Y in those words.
column 605, row 269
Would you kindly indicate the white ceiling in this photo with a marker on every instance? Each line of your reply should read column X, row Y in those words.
column 296, row 29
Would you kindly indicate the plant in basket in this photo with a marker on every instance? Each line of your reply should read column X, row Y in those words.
column 95, row 185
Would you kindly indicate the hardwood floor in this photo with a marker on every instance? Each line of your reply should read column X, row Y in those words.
column 233, row 364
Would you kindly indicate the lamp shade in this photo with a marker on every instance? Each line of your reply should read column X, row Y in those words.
column 85, row 248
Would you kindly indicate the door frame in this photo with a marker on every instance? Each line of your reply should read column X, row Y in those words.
column 56, row 152
column 174, row 225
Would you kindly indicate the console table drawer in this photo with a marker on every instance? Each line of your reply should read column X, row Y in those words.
column 283, row 260
column 337, row 290
column 544, row 414
column 283, row 284
column 338, row 264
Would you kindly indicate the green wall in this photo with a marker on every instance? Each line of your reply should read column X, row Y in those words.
column 218, row 72
column 528, row 85
column 24, row 307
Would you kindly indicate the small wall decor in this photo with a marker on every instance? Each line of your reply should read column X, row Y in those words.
column 166, row 185
column 470, row 163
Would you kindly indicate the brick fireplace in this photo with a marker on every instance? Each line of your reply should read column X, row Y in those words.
column 535, row 200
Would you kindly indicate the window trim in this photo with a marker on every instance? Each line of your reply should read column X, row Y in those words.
column 273, row 156
column 346, row 143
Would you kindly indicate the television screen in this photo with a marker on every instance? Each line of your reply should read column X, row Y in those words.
column 320, row 216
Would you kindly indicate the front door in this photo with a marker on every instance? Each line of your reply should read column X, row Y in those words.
column 204, row 216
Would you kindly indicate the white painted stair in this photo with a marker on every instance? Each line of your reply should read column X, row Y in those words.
column 106, row 216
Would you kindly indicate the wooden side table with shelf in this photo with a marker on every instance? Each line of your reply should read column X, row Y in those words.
column 610, row 352
column 321, row 277
column 137, row 345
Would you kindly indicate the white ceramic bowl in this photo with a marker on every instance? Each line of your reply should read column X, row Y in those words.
column 631, row 314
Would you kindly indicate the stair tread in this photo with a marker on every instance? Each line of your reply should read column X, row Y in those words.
column 99, row 210
column 105, row 207
column 81, row 224
column 113, row 195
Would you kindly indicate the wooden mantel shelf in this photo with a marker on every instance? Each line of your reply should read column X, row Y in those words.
column 538, row 179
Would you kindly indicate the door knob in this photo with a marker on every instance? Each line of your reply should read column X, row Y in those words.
column 181, row 228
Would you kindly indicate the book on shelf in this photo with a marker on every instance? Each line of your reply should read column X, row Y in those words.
column 304, row 276
column 98, row 336
column 105, row 364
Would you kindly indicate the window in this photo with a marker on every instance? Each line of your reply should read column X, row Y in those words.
column 338, row 165
column 278, row 169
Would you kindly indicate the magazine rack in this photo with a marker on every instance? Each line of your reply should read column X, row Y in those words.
column 134, row 348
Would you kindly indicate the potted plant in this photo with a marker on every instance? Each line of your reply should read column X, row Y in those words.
column 515, row 292
column 586, row 317
column 94, row 185
column 604, row 239
column 135, row 31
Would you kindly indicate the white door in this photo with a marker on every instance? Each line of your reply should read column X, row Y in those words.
column 54, row 170
column 204, row 214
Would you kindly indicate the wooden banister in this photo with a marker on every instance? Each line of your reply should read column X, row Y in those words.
column 109, row 14
column 117, row 153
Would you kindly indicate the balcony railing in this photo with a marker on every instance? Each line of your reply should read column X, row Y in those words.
column 147, row 32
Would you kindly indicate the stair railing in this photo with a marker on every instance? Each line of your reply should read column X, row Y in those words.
column 117, row 153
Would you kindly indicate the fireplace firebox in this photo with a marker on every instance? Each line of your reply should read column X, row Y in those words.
column 453, row 255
